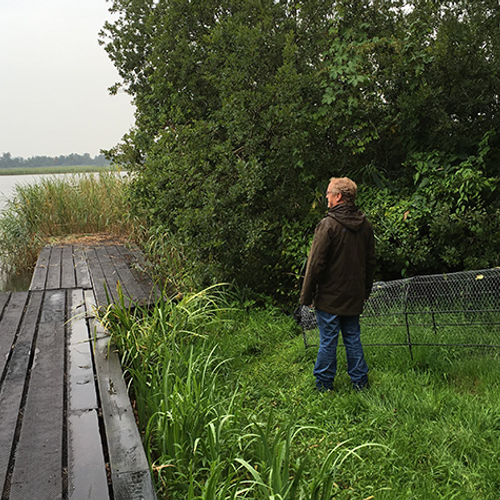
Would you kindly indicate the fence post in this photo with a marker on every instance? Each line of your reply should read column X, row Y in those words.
column 408, row 335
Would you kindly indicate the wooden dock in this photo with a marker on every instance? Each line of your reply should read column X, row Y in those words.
column 67, row 429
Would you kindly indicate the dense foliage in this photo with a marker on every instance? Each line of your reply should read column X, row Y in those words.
column 246, row 108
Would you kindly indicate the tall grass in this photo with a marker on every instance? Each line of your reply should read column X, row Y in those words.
column 227, row 404
column 87, row 203
column 226, row 401
column 166, row 258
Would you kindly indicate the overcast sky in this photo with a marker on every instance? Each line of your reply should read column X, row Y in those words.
column 54, row 80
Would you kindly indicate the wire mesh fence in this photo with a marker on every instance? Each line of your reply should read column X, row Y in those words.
column 456, row 309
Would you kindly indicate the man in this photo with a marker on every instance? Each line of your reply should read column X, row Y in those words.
column 338, row 280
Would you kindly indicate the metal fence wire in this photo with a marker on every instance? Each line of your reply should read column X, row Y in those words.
column 456, row 309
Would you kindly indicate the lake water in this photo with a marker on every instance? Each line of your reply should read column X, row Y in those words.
column 8, row 183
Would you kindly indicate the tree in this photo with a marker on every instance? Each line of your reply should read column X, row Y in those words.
column 408, row 77
column 245, row 108
column 226, row 143
column 46, row 161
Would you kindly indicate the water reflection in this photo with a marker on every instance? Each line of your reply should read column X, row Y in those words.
column 14, row 282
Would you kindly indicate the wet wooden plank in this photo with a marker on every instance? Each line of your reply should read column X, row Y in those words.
column 38, row 465
column 68, row 279
column 4, row 298
column 130, row 473
column 54, row 274
column 41, row 270
column 98, row 280
column 9, row 325
column 87, row 478
column 52, row 447
column 11, row 391
column 82, row 394
column 135, row 485
column 109, row 271
column 81, row 268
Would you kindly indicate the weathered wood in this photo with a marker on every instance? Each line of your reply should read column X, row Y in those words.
column 64, row 406
column 130, row 473
column 109, row 271
column 9, row 325
column 4, row 298
column 138, row 266
column 133, row 485
column 68, row 279
column 87, row 477
column 39, row 453
column 41, row 270
column 81, row 268
column 82, row 394
column 12, row 388
column 99, row 284
column 100, row 268
column 130, row 285
column 54, row 274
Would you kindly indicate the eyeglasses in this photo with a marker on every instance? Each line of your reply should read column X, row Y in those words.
column 331, row 192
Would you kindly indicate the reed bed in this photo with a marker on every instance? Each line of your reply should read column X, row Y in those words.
column 226, row 401
column 61, row 206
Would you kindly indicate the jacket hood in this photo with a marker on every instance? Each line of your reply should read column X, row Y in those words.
column 348, row 215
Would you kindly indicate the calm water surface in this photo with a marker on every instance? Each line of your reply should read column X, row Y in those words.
column 8, row 183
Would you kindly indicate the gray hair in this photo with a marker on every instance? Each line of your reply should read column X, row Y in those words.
column 346, row 187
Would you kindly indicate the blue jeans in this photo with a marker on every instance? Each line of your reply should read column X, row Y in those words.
column 325, row 368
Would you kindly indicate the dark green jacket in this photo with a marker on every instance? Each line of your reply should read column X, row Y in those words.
column 341, row 263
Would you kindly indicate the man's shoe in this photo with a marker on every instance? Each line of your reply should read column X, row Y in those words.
column 324, row 388
column 361, row 387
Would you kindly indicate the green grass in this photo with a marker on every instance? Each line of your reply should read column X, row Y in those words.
column 58, row 207
column 227, row 404
column 74, row 169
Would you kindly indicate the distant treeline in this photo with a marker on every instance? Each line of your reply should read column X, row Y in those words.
column 7, row 161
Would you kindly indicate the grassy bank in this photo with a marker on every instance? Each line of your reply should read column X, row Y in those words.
column 58, row 207
column 225, row 397
column 54, row 170
column 226, row 402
